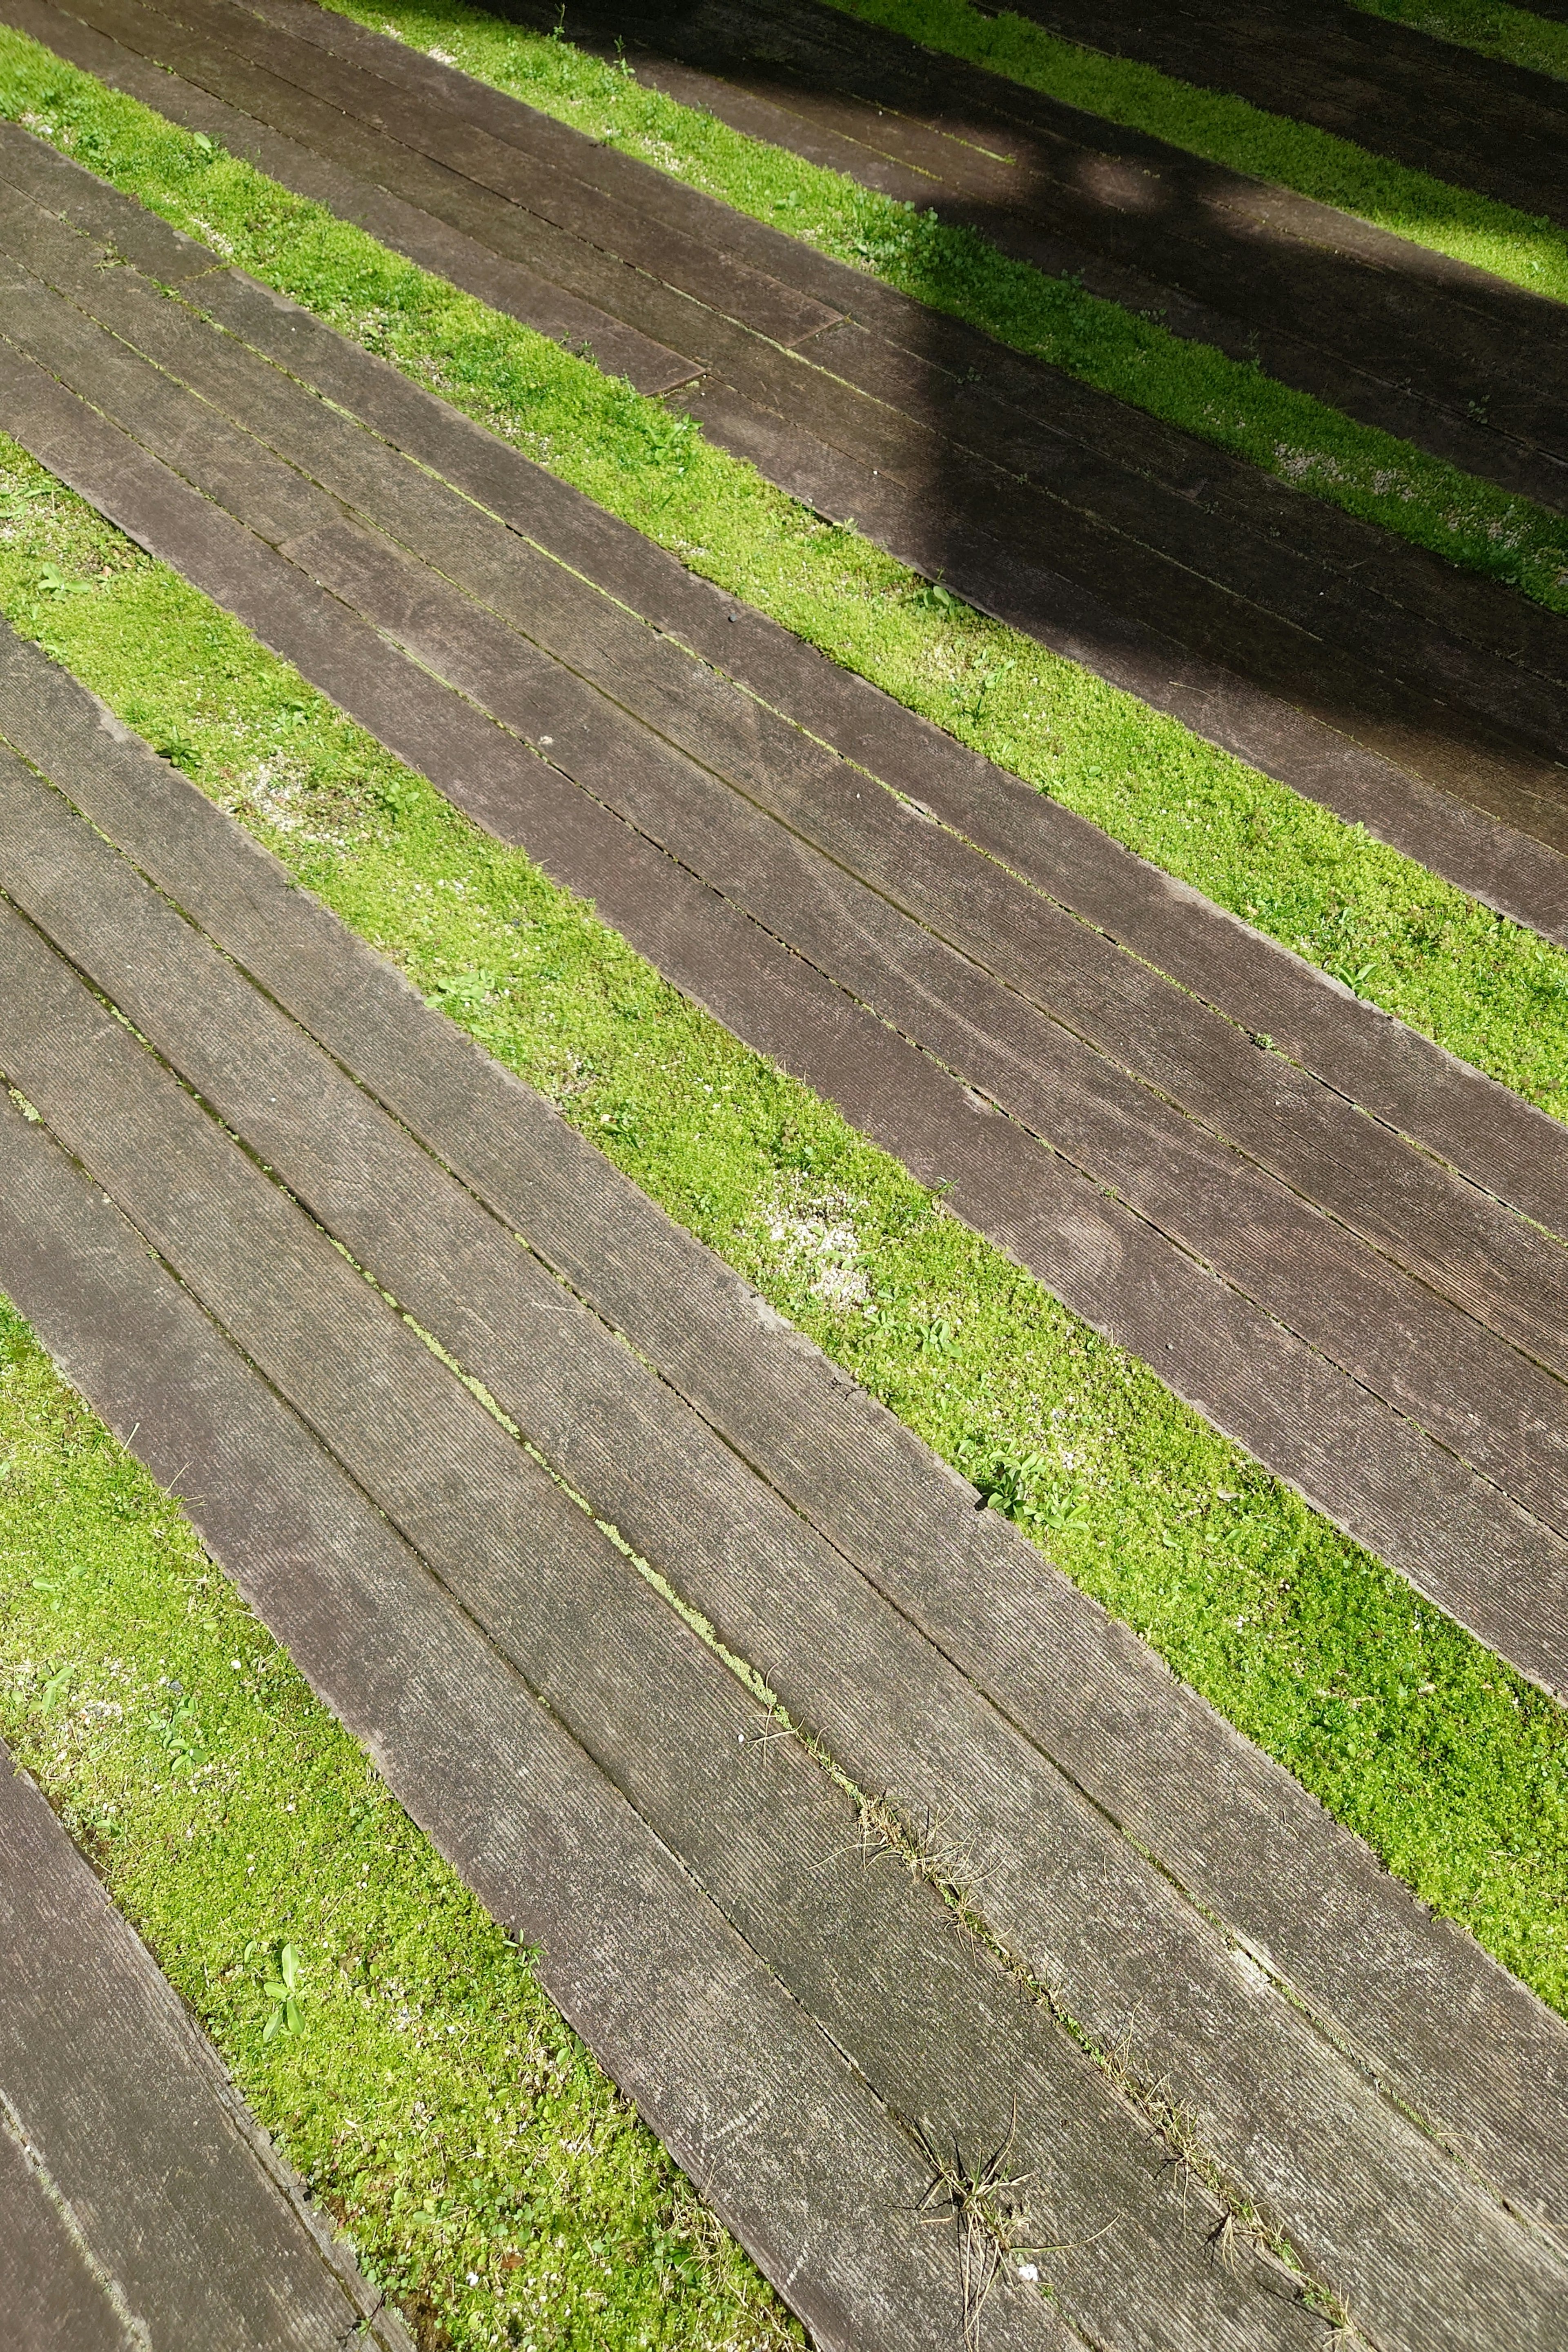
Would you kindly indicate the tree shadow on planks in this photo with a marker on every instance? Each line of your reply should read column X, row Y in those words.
column 1169, row 566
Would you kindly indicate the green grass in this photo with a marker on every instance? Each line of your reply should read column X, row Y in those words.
column 1529, row 251
column 1454, row 1769
column 496, row 2186
column 1314, row 447
column 1485, row 988
column 1511, row 34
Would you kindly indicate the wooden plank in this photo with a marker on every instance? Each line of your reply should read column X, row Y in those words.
column 1408, row 589
column 1369, row 1471
column 544, row 185
column 1305, row 744
column 1458, row 2039
column 901, row 1720
column 586, row 272
column 50, row 2298
column 1493, row 1411
column 792, row 2152
column 1442, row 823
column 1318, row 1288
column 1266, row 276
column 1179, row 520
column 921, row 2010
column 150, row 2209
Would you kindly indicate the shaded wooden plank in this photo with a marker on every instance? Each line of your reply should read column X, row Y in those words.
column 1501, row 1573
column 1140, row 1972
column 1305, row 744
column 795, row 2154
column 1434, row 106
column 922, row 2010
column 1457, row 2037
column 1116, row 449
column 1053, row 407
column 166, row 2218
column 1347, row 312
column 1443, row 825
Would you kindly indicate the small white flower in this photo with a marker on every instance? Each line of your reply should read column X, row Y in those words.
column 1029, row 2271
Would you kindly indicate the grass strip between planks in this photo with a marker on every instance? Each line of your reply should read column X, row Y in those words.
column 1483, row 987
column 1454, row 1770
column 1514, row 35
column 1298, row 439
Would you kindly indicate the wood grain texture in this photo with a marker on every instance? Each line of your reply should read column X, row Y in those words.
column 143, row 2205
column 1419, row 2003
column 903, row 1722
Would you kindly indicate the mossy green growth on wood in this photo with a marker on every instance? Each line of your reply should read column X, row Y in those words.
column 1454, row 1770
column 1488, row 991
column 1301, row 441
column 496, row 2187
column 1527, row 250
column 1514, row 35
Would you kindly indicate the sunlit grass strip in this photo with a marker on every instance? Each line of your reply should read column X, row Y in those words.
column 1485, row 988
column 1513, row 34
column 1452, row 1767
column 1316, row 448
column 497, row 2188
column 1530, row 252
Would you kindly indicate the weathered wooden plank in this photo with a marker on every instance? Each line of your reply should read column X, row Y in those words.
column 544, row 185
column 896, row 1715
column 659, row 312
column 937, row 2026
column 1092, row 457
column 1367, row 1469
column 1505, row 1147
column 1456, row 2036
column 794, row 2154
column 148, row 2209
column 50, row 2299
column 1303, row 737
column 1442, row 823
